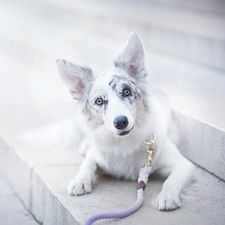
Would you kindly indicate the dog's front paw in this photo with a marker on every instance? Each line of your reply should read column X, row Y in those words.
column 80, row 185
column 167, row 200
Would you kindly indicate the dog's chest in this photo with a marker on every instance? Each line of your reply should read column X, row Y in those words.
column 121, row 165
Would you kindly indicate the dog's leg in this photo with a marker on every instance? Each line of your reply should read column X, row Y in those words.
column 84, row 146
column 82, row 183
column 181, row 173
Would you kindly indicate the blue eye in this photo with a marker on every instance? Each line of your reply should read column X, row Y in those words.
column 99, row 101
column 126, row 92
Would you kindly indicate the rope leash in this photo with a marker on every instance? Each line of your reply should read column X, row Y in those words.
column 142, row 183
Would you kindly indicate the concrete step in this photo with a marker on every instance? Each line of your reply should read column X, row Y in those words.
column 197, row 96
column 204, row 6
column 179, row 32
column 40, row 178
column 13, row 211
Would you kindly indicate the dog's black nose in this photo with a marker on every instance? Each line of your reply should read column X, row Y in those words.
column 120, row 122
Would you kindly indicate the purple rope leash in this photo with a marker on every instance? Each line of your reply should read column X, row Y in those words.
column 118, row 215
column 143, row 178
column 142, row 182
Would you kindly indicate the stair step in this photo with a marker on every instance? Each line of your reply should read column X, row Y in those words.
column 216, row 6
column 199, row 37
column 197, row 96
column 12, row 211
column 45, row 175
column 113, row 195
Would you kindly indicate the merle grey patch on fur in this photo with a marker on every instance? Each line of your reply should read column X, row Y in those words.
column 72, row 65
column 116, row 79
column 97, row 108
column 146, row 107
column 124, row 87
column 119, row 84
column 105, row 104
column 130, row 100
column 110, row 82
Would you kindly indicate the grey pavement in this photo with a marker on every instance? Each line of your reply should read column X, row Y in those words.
column 12, row 211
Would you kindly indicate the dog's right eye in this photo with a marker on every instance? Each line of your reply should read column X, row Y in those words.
column 99, row 101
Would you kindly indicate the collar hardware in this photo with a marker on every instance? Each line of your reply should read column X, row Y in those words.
column 152, row 148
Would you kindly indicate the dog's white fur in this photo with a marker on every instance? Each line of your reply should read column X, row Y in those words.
column 121, row 152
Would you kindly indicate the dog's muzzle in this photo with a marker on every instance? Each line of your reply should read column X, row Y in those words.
column 120, row 122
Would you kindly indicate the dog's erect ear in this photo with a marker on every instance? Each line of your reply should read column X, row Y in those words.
column 131, row 58
column 76, row 78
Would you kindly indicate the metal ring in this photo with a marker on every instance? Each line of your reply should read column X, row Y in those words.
column 151, row 141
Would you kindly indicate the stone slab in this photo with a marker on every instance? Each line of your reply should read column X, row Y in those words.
column 193, row 90
column 17, row 164
column 205, row 206
column 5, row 188
column 202, row 144
column 182, row 33
column 12, row 211
column 16, row 170
column 215, row 6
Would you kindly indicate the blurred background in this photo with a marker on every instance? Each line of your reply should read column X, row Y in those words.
column 184, row 43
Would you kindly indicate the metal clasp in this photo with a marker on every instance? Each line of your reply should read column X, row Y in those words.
column 152, row 148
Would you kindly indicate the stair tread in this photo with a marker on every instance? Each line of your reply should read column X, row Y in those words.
column 49, row 201
column 205, row 206
column 195, row 91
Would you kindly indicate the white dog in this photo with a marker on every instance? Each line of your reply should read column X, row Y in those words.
column 122, row 111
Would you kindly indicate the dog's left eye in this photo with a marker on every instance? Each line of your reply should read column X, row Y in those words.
column 126, row 92
column 99, row 101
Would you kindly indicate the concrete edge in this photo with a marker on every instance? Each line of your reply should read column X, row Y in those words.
column 16, row 170
column 45, row 206
column 204, row 144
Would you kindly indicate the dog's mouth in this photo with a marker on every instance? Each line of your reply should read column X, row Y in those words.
column 123, row 133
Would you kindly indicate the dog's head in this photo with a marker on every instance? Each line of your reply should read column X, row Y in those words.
column 115, row 98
